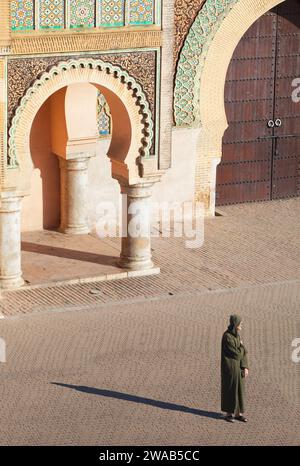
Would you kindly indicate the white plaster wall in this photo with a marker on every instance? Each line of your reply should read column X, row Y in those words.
column 32, row 206
column 178, row 183
column 102, row 187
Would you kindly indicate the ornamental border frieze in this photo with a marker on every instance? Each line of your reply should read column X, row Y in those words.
column 185, row 14
column 94, row 64
column 192, row 58
column 134, row 63
column 25, row 44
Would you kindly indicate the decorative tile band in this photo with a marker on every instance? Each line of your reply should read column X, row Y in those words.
column 141, row 12
column 112, row 13
column 22, row 15
column 28, row 15
column 81, row 13
column 192, row 58
column 185, row 14
column 51, row 14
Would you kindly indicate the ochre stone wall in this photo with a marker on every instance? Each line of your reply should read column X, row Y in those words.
column 2, row 117
column 166, row 85
column 4, row 47
column 4, row 24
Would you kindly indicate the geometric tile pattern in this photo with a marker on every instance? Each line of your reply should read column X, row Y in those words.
column 22, row 14
column 82, row 13
column 51, row 14
column 112, row 13
column 103, row 116
column 58, row 14
column 141, row 12
column 192, row 57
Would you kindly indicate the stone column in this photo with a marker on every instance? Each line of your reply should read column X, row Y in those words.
column 136, row 242
column 10, row 243
column 74, row 195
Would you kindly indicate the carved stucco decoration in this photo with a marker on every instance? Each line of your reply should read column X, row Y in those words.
column 134, row 63
column 192, row 57
column 185, row 14
column 100, row 65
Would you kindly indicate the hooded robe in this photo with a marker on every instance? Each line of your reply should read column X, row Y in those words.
column 233, row 362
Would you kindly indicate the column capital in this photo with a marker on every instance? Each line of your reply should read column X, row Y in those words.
column 10, row 202
column 137, row 191
column 136, row 242
column 77, row 164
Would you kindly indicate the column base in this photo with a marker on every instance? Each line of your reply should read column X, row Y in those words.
column 10, row 283
column 132, row 263
column 83, row 230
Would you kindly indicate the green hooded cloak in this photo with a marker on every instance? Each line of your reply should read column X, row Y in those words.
column 233, row 361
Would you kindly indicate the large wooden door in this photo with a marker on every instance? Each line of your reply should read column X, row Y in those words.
column 286, row 160
column 261, row 147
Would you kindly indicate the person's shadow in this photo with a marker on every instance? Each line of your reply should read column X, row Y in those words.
column 142, row 400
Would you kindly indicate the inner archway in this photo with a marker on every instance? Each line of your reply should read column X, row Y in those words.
column 73, row 142
column 129, row 109
column 41, row 209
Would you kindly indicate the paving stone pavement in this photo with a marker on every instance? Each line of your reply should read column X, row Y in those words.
column 138, row 363
column 147, row 373
column 249, row 244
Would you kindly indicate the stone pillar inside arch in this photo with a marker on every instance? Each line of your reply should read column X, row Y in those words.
column 74, row 138
column 10, row 241
column 136, row 227
column 74, row 195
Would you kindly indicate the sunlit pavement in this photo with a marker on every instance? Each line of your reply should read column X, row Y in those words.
column 141, row 366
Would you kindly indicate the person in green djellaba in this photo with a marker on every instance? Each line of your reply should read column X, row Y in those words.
column 234, row 370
